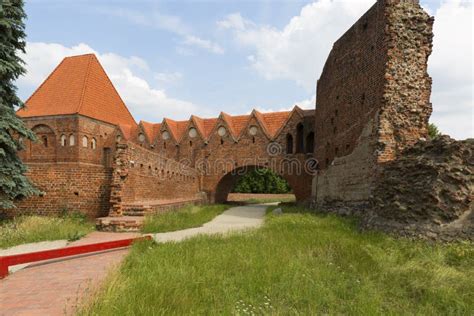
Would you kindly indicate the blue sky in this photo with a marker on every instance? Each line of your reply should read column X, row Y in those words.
column 177, row 58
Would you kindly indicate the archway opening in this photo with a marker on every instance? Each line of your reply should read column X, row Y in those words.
column 253, row 184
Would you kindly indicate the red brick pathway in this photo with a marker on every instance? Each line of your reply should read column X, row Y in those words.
column 56, row 287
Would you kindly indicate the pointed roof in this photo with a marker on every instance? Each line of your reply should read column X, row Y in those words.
column 235, row 123
column 177, row 128
column 78, row 85
column 204, row 125
column 127, row 131
column 152, row 130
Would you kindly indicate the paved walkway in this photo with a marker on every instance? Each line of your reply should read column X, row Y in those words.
column 234, row 219
column 56, row 287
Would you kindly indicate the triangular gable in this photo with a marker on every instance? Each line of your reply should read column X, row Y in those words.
column 78, row 85
column 175, row 128
column 147, row 128
column 126, row 131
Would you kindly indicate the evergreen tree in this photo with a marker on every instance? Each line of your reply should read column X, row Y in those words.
column 13, row 183
column 433, row 131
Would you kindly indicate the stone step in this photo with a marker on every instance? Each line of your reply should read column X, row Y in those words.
column 136, row 210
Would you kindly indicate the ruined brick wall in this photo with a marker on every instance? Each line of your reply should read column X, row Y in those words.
column 372, row 99
column 67, row 187
column 141, row 175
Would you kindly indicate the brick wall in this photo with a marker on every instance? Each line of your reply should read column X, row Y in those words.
column 67, row 186
column 141, row 175
column 372, row 98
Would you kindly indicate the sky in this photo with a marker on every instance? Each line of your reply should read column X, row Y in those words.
column 177, row 58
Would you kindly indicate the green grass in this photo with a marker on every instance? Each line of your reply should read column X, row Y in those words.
column 186, row 217
column 296, row 264
column 28, row 229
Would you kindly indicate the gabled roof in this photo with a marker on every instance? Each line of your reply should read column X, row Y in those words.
column 204, row 125
column 78, row 85
column 148, row 130
column 176, row 128
column 273, row 121
column 127, row 131
column 235, row 123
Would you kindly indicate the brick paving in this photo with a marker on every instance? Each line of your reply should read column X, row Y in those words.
column 56, row 288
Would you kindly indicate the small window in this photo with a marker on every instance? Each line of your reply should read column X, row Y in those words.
column 93, row 143
column 221, row 131
column 141, row 137
column 72, row 140
column 118, row 138
column 190, row 144
column 299, row 138
column 63, row 140
column 85, row 141
column 289, row 144
column 45, row 141
column 192, row 132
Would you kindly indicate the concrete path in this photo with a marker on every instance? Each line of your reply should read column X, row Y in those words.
column 234, row 219
column 57, row 287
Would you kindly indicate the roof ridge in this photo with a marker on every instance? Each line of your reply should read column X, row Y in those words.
column 113, row 86
column 81, row 102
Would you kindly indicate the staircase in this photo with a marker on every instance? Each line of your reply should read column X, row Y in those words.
column 133, row 213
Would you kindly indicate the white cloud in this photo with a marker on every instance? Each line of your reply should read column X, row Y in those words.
column 299, row 50
column 205, row 44
column 168, row 77
column 307, row 104
column 451, row 68
column 143, row 100
column 170, row 23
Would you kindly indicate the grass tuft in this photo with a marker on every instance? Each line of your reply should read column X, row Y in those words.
column 298, row 263
column 186, row 217
column 29, row 229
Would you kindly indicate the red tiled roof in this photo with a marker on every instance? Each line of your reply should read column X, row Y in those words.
column 78, row 85
column 127, row 130
column 177, row 128
column 240, row 121
column 274, row 121
column 148, row 129
column 235, row 123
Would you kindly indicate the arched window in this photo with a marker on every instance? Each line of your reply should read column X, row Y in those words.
column 85, row 141
column 93, row 143
column 310, row 142
column 44, row 139
column 300, row 138
column 72, row 140
column 289, row 143
column 63, row 140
